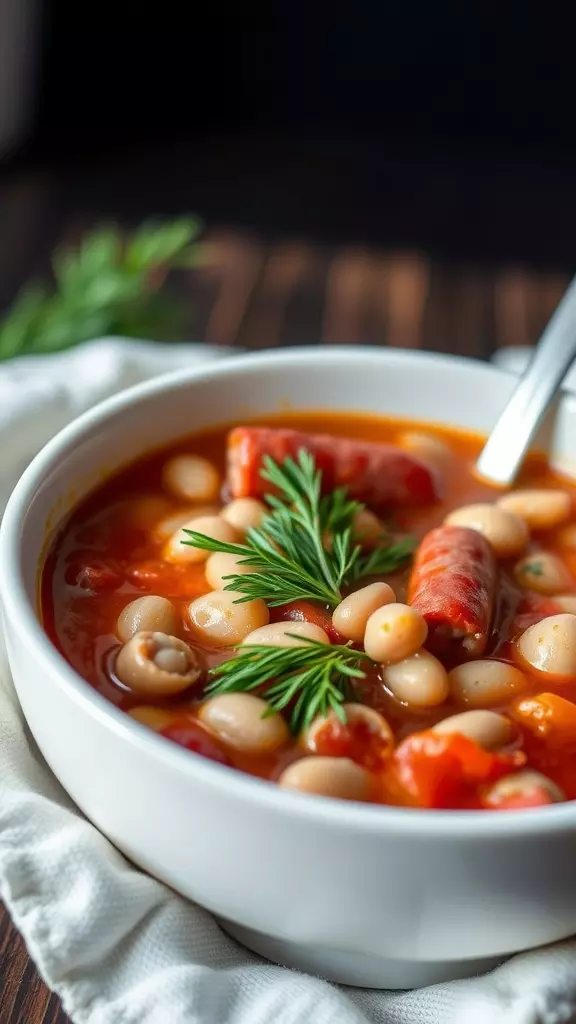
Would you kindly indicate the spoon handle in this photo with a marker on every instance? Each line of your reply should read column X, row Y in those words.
column 502, row 455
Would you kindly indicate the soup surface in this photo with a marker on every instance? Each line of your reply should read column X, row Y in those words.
column 337, row 604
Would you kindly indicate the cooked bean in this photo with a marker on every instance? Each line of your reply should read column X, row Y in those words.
column 420, row 680
column 221, row 564
column 150, row 613
column 484, row 683
column 282, row 634
column 550, row 645
column 212, row 526
column 216, row 620
column 238, row 720
column 191, row 477
column 244, row 514
column 327, row 776
column 351, row 615
column 356, row 714
column 487, row 728
column 567, row 602
column 394, row 632
column 367, row 529
column 521, row 786
column 426, row 447
column 540, row 509
column 506, row 532
column 172, row 522
column 155, row 664
column 543, row 572
column 155, row 718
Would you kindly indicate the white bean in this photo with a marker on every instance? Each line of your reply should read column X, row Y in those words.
column 351, row 615
column 191, row 477
column 221, row 564
column 420, row 681
column 507, row 533
column 539, row 508
column 327, row 776
column 155, row 718
column 282, row 634
column 567, row 602
column 543, row 572
column 173, row 521
column 394, row 632
column 179, row 550
column 550, row 645
column 153, row 613
column 244, row 514
column 217, row 621
column 522, row 784
column 155, row 664
column 426, row 446
column 238, row 720
column 356, row 714
column 367, row 529
column 485, row 683
column 487, row 728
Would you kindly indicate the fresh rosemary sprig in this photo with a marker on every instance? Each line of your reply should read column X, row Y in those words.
column 313, row 678
column 287, row 551
column 109, row 284
column 383, row 560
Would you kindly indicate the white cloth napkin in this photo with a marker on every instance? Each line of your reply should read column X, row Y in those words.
column 118, row 947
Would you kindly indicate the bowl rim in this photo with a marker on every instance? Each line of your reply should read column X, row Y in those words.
column 373, row 818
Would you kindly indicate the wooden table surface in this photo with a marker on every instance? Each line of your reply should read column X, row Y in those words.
column 278, row 276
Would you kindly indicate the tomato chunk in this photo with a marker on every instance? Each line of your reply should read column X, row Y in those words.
column 548, row 716
column 96, row 576
column 548, row 723
column 356, row 740
column 438, row 771
column 189, row 734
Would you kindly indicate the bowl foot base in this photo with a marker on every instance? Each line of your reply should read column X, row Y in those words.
column 358, row 969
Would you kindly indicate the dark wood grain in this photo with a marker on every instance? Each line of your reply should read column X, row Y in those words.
column 272, row 283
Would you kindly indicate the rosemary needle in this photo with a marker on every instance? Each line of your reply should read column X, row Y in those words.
column 287, row 551
column 309, row 680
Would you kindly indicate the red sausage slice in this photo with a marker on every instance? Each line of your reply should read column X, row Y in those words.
column 380, row 475
column 453, row 584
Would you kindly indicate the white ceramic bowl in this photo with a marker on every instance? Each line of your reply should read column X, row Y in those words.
column 361, row 894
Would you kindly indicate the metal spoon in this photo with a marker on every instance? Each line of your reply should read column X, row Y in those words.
column 504, row 451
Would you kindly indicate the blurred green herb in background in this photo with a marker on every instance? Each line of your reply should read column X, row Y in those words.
column 109, row 285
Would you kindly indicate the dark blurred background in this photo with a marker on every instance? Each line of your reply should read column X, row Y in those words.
column 427, row 152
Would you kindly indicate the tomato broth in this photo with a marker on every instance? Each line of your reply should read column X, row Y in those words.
column 122, row 543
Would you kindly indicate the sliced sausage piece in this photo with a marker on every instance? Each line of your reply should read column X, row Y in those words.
column 380, row 475
column 453, row 585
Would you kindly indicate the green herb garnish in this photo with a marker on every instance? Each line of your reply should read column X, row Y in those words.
column 383, row 560
column 534, row 568
column 109, row 284
column 317, row 677
column 287, row 551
